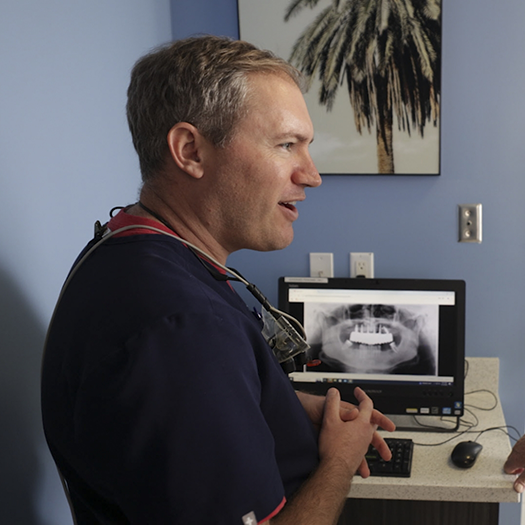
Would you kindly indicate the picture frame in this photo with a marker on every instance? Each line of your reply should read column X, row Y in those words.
column 374, row 97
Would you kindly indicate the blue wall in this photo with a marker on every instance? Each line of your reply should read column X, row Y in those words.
column 66, row 158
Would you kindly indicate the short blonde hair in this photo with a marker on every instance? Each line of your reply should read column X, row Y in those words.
column 201, row 80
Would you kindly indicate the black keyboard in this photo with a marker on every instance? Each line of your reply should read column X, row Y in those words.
column 401, row 463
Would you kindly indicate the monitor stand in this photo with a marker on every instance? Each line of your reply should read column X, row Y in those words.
column 426, row 423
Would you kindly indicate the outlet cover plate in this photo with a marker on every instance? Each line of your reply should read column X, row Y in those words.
column 469, row 223
column 321, row 264
column 362, row 264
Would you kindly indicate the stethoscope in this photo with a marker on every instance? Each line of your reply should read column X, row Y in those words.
column 288, row 342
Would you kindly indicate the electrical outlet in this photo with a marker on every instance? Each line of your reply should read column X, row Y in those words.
column 469, row 223
column 321, row 264
column 362, row 264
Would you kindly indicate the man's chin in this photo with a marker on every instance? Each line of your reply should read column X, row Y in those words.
column 273, row 242
column 279, row 244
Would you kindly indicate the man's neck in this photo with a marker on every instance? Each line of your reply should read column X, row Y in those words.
column 180, row 218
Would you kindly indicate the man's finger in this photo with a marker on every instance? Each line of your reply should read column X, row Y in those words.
column 381, row 446
column 332, row 405
column 383, row 421
column 364, row 469
column 348, row 414
column 516, row 459
column 365, row 403
column 519, row 484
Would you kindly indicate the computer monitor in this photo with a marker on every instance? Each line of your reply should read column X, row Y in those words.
column 401, row 340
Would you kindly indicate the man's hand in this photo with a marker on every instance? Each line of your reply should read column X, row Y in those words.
column 515, row 464
column 347, row 412
column 314, row 407
column 345, row 433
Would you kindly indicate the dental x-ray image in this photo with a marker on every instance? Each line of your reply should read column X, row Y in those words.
column 373, row 338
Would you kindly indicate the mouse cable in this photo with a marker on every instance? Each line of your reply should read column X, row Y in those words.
column 476, row 419
column 455, row 436
column 505, row 429
column 437, row 428
column 483, row 390
column 462, row 422
column 471, row 425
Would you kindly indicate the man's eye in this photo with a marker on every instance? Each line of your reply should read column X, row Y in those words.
column 286, row 145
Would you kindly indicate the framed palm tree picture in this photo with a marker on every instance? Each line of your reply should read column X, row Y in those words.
column 373, row 72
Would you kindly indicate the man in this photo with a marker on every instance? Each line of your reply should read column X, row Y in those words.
column 162, row 402
column 515, row 464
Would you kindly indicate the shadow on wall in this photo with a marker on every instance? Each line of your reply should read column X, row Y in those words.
column 21, row 342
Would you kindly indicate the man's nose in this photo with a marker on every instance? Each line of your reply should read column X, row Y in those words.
column 307, row 173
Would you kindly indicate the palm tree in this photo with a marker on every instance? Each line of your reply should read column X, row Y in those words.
column 389, row 53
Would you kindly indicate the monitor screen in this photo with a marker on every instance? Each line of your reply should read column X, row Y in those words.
column 401, row 340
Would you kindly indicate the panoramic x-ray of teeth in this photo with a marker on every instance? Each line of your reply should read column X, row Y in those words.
column 379, row 338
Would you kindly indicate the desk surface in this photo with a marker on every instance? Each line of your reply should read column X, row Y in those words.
column 434, row 477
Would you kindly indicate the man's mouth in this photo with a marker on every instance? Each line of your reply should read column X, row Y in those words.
column 289, row 204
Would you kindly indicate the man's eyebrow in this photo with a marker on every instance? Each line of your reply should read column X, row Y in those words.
column 293, row 134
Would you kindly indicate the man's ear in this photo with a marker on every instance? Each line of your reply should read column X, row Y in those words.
column 186, row 146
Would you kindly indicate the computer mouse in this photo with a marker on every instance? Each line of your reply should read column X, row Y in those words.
column 465, row 454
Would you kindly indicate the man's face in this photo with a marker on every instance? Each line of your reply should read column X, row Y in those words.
column 261, row 174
